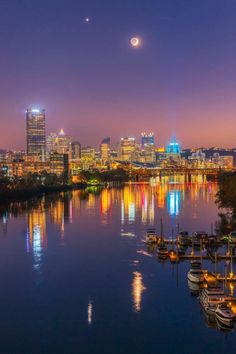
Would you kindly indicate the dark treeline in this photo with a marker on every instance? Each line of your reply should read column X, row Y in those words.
column 35, row 184
column 226, row 199
column 46, row 201
column 32, row 184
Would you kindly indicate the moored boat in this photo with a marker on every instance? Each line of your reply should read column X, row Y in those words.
column 211, row 298
column 151, row 237
column 194, row 288
column 162, row 250
column 224, row 328
column 224, row 314
column 183, row 238
column 196, row 275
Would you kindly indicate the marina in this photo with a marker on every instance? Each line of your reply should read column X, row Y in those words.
column 215, row 300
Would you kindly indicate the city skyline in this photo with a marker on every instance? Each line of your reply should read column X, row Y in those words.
column 75, row 60
column 115, row 144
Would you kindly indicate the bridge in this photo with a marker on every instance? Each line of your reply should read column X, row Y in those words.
column 139, row 171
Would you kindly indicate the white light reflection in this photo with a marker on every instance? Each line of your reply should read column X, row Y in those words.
column 131, row 212
column 173, row 201
column 90, row 312
column 137, row 290
column 37, row 247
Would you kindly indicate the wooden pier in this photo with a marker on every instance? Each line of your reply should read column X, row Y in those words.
column 220, row 257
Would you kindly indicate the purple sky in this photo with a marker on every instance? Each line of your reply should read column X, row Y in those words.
column 181, row 81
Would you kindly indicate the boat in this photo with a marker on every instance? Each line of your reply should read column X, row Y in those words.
column 183, row 238
column 151, row 237
column 198, row 237
column 194, row 288
column 210, row 319
column 224, row 328
column 196, row 275
column 224, row 314
column 162, row 250
column 211, row 298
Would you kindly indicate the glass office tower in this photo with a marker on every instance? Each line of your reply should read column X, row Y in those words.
column 36, row 134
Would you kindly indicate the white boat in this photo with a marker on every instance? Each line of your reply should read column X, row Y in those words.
column 212, row 291
column 211, row 298
column 196, row 275
column 194, row 288
column 224, row 314
column 210, row 305
column 224, row 328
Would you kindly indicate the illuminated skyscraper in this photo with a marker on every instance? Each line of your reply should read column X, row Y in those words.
column 59, row 142
column 105, row 149
column 127, row 148
column 59, row 164
column 36, row 134
column 87, row 157
column 147, row 139
column 147, row 153
column 51, row 143
column 63, row 143
column 75, row 150
column 173, row 147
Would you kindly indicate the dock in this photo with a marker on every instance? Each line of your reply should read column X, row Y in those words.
column 206, row 257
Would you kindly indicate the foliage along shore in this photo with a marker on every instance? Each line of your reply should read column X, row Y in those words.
column 226, row 200
column 36, row 184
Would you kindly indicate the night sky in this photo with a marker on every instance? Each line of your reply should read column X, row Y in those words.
column 181, row 80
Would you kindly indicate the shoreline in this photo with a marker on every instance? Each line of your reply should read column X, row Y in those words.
column 21, row 195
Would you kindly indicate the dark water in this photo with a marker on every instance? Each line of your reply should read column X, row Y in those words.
column 75, row 276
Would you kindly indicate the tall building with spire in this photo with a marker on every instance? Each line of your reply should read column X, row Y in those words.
column 59, row 142
column 36, row 134
column 173, row 147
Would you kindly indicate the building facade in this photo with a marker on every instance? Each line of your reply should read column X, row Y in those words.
column 147, row 139
column 105, row 150
column 127, row 149
column 36, row 134
column 75, row 150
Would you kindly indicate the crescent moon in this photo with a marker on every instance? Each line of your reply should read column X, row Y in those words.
column 135, row 41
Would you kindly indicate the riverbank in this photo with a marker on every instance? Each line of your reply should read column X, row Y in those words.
column 19, row 195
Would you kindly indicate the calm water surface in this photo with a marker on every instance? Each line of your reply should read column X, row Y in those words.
column 76, row 277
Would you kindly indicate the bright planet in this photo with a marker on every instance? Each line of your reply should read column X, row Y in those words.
column 135, row 42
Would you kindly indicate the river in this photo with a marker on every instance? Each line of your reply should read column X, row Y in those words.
column 76, row 276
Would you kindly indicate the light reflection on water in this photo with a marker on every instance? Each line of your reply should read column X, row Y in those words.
column 137, row 290
column 142, row 202
column 87, row 246
column 36, row 236
column 90, row 312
